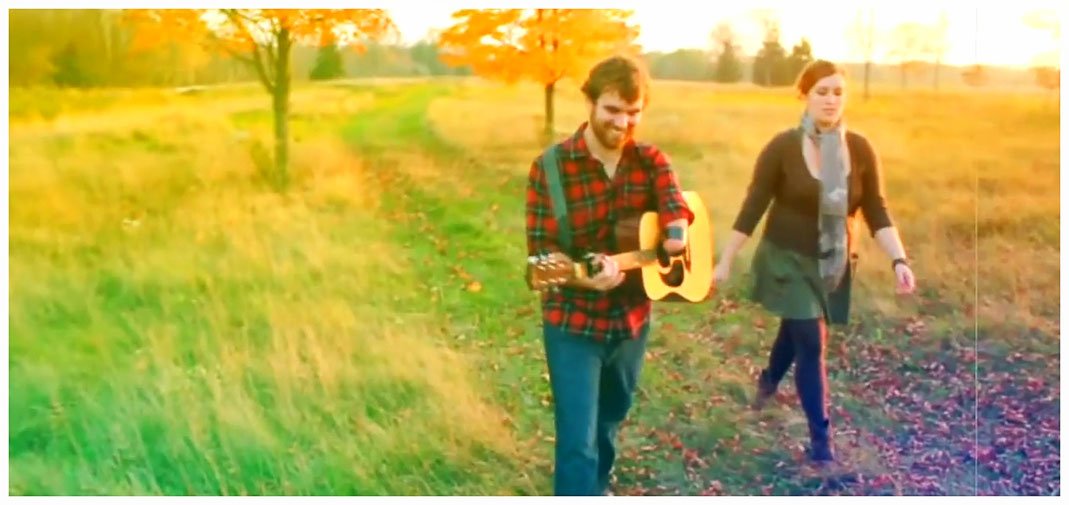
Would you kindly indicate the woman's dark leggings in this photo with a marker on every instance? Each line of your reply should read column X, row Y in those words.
column 802, row 341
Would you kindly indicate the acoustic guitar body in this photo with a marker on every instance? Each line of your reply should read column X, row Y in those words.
column 684, row 278
column 649, row 271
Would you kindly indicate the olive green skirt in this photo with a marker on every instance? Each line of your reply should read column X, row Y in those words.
column 788, row 284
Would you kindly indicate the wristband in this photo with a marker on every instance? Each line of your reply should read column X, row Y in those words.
column 676, row 232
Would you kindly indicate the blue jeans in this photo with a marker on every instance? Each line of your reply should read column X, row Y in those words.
column 592, row 386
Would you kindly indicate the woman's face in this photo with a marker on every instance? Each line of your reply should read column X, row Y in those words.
column 826, row 99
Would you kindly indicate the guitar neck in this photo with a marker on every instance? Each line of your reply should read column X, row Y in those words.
column 635, row 259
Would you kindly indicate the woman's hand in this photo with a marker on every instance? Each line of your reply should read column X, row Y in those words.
column 722, row 272
column 905, row 283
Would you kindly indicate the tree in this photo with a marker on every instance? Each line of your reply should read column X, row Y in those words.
column 1048, row 77
column 975, row 75
column 67, row 47
column 427, row 58
column 723, row 33
column 70, row 70
column 264, row 39
column 1045, row 66
column 938, row 45
column 540, row 45
column 30, row 53
column 681, row 64
column 768, row 20
column 104, row 53
column 770, row 64
column 801, row 55
column 728, row 64
column 382, row 59
column 328, row 64
column 862, row 36
column 909, row 44
column 425, row 54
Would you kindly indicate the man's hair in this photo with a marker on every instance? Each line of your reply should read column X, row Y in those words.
column 621, row 74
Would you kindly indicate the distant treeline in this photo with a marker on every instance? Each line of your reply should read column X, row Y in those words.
column 94, row 48
column 702, row 65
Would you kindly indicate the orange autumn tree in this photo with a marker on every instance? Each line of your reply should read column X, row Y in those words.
column 540, row 45
column 264, row 39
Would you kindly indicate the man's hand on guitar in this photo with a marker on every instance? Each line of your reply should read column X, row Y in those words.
column 674, row 246
column 608, row 277
column 675, row 241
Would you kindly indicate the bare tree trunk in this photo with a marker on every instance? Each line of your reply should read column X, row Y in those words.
column 868, row 72
column 938, row 62
column 548, row 127
column 280, row 106
column 868, row 53
column 105, row 31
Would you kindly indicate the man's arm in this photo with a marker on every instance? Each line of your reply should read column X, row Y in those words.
column 672, row 209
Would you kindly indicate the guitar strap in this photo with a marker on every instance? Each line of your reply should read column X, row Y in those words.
column 551, row 165
column 652, row 177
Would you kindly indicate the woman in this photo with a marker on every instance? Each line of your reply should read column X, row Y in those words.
column 816, row 176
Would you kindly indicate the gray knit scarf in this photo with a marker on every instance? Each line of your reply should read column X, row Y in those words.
column 833, row 199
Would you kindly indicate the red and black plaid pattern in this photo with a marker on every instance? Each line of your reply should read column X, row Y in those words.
column 594, row 203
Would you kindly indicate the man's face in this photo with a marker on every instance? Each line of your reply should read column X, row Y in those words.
column 613, row 119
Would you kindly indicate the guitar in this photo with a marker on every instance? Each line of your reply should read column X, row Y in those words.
column 685, row 277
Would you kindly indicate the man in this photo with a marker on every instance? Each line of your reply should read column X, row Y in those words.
column 595, row 335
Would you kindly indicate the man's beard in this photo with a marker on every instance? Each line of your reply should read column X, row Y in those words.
column 604, row 132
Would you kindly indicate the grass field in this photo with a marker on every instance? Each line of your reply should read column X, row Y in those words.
column 178, row 327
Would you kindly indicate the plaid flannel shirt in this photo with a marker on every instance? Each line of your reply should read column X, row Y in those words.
column 594, row 203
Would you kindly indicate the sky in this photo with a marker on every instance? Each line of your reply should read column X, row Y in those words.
column 1004, row 38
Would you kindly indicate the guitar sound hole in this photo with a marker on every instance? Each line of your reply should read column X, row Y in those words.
column 674, row 277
